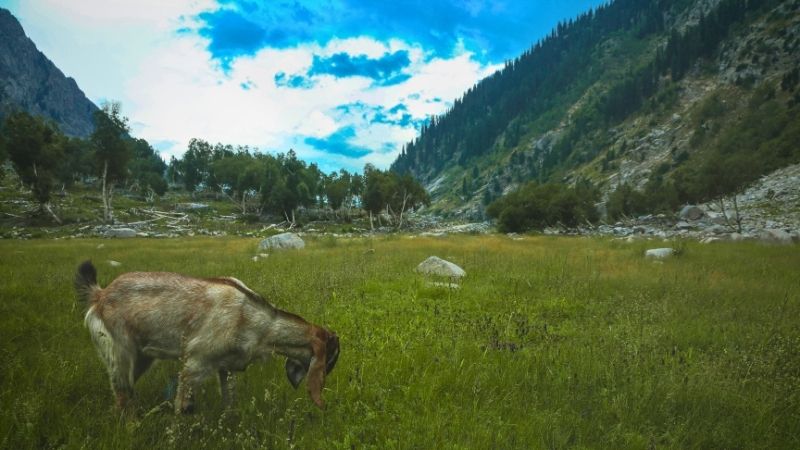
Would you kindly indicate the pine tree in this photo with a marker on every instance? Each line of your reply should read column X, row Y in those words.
column 112, row 151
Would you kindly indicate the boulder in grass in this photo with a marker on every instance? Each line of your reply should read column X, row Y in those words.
column 441, row 268
column 121, row 233
column 659, row 253
column 775, row 236
column 282, row 241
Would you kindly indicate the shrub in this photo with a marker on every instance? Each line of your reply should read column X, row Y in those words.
column 535, row 206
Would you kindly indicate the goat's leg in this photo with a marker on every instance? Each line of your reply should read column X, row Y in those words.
column 227, row 387
column 120, row 371
column 119, row 361
column 192, row 374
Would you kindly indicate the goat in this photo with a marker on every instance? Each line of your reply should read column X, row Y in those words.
column 211, row 325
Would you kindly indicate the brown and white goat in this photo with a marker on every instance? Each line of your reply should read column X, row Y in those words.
column 213, row 325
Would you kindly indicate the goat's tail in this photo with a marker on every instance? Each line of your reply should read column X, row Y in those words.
column 86, row 283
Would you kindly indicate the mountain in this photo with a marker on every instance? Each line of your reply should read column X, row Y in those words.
column 667, row 97
column 30, row 82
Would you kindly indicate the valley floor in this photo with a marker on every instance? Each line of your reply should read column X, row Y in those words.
column 548, row 342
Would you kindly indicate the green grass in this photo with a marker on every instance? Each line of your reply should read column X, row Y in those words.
column 549, row 343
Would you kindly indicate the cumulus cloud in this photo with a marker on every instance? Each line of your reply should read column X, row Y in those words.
column 495, row 30
column 337, row 121
column 342, row 82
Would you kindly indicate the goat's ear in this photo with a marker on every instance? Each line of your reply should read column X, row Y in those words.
column 331, row 352
column 320, row 347
column 295, row 371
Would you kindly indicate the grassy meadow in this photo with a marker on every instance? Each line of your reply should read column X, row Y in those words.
column 549, row 343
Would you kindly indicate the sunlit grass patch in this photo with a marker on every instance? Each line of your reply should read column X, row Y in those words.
column 547, row 342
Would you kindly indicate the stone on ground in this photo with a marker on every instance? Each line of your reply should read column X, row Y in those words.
column 659, row 253
column 691, row 212
column 775, row 236
column 440, row 267
column 121, row 232
column 281, row 242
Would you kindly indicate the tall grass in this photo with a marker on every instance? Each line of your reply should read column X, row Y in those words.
column 549, row 343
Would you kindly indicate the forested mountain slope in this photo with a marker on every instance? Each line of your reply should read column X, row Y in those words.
column 681, row 99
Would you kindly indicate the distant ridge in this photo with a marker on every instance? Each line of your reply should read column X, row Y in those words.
column 635, row 93
column 32, row 83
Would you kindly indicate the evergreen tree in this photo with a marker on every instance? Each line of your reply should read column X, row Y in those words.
column 147, row 168
column 35, row 148
column 194, row 167
column 112, row 151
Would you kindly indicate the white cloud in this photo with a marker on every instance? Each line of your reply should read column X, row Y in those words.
column 180, row 94
column 158, row 14
column 172, row 90
column 101, row 42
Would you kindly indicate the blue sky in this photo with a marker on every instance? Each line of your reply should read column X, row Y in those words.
column 342, row 82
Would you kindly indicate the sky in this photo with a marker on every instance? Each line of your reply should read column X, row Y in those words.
column 342, row 82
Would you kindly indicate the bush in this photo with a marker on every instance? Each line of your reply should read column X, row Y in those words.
column 626, row 201
column 535, row 206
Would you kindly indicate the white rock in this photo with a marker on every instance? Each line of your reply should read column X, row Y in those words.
column 190, row 206
column 717, row 218
column 659, row 253
column 113, row 263
column 121, row 232
column 282, row 241
column 439, row 267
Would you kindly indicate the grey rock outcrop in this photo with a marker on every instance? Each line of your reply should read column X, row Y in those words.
column 32, row 83
column 282, row 241
column 439, row 267
column 691, row 212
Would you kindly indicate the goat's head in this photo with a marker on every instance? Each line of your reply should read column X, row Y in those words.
column 325, row 353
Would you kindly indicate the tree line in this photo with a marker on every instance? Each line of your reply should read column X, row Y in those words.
column 281, row 184
column 259, row 183
column 45, row 158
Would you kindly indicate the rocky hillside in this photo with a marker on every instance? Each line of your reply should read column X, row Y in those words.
column 632, row 93
column 32, row 83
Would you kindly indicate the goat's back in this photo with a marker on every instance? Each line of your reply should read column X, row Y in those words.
column 162, row 310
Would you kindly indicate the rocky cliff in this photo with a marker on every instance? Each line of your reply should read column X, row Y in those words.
column 30, row 82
